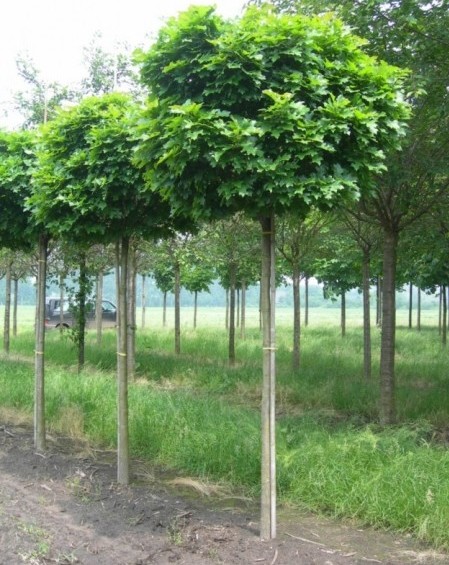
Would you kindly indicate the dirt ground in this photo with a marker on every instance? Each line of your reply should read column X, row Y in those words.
column 65, row 507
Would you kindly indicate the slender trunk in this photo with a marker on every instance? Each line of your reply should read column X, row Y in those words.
column 122, row 368
column 444, row 315
column 177, row 308
column 410, row 306
column 379, row 301
column 243, row 313
column 144, row 299
column 418, row 319
column 343, row 314
column 164, row 310
column 39, row 396
column 227, row 310
column 82, row 312
column 440, row 311
column 268, row 466
column 7, row 320
column 14, row 310
column 260, row 307
column 61, row 303
column 296, row 318
column 237, row 317
column 231, row 345
column 99, row 307
column 388, row 337
column 195, row 309
column 131, row 326
column 306, row 305
column 366, row 317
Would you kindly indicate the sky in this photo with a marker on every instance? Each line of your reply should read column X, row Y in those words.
column 54, row 32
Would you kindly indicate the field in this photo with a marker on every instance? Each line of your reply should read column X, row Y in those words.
column 197, row 416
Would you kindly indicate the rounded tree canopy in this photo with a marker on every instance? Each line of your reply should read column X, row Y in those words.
column 264, row 113
column 16, row 161
column 86, row 187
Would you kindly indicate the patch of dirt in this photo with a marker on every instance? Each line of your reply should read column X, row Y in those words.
column 65, row 507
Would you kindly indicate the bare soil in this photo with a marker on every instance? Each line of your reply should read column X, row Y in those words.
column 64, row 506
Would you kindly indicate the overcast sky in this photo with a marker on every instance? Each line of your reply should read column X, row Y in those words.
column 54, row 32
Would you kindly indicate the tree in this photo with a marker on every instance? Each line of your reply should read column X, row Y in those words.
column 413, row 34
column 264, row 114
column 87, row 191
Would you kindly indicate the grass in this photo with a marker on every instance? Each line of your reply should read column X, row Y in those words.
column 196, row 415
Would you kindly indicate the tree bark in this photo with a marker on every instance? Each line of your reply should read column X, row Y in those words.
column 268, row 471
column 99, row 307
column 227, row 310
column 440, row 311
column 122, row 367
column 410, row 306
column 296, row 318
column 39, row 395
column 366, row 317
column 14, row 310
column 379, row 301
column 243, row 313
column 343, row 314
column 231, row 344
column 144, row 299
column 388, row 338
column 177, row 308
column 7, row 320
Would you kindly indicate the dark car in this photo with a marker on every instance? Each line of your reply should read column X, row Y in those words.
column 53, row 314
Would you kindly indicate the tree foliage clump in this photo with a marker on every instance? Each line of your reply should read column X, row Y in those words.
column 268, row 112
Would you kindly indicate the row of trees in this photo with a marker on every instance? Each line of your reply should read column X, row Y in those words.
column 272, row 116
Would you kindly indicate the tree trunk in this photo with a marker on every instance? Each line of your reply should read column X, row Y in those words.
column 99, row 307
column 410, row 306
column 81, row 322
column 122, row 367
column 195, row 309
column 39, row 395
column 14, row 310
column 268, row 467
column 366, row 317
column 296, row 318
column 231, row 344
column 388, row 337
column 444, row 317
column 144, row 299
column 243, row 313
column 306, row 305
column 177, row 308
column 7, row 320
column 379, row 301
column 343, row 314
column 418, row 319
column 440, row 311
column 164, row 310
column 131, row 302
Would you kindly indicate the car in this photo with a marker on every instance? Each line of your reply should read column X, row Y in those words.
column 53, row 314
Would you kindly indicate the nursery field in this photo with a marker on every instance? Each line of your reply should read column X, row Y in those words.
column 195, row 415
